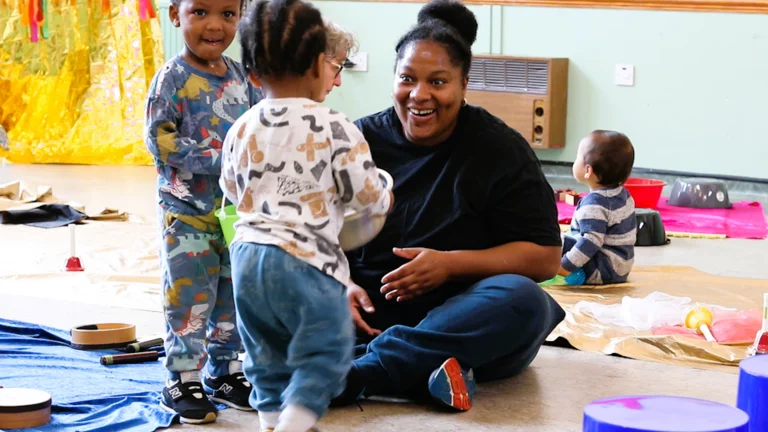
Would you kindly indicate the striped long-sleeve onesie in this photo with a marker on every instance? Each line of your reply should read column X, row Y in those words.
column 602, row 238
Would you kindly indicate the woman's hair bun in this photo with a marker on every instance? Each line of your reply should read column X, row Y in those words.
column 454, row 14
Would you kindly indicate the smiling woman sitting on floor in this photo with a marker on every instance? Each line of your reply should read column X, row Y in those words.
column 449, row 285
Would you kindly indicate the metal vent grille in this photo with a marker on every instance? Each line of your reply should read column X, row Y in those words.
column 509, row 75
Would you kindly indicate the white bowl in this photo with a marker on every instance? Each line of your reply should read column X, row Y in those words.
column 362, row 227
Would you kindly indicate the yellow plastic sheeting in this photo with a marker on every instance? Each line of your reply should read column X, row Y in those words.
column 76, row 96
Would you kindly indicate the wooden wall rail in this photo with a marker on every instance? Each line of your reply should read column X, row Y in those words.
column 736, row 6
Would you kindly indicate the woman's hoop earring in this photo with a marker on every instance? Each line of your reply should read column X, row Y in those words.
column 464, row 103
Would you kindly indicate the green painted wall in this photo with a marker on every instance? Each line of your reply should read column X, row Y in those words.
column 700, row 100
column 699, row 103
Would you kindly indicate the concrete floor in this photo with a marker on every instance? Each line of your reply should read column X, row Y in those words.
column 549, row 396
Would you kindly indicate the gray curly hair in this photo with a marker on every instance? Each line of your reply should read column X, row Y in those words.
column 339, row 41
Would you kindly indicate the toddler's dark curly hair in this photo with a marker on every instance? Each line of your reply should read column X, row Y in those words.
column 611, row 156
column 281, row 38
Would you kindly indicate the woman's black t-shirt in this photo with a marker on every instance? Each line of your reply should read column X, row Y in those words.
column 481, row 188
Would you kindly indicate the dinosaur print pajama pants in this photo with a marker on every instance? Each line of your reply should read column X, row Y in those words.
column 199, row 304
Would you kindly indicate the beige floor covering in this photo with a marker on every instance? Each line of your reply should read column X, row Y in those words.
column 586, row 333
column 118, row 255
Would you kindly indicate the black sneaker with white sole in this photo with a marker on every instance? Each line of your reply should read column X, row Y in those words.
column 232, row 390
column 189, row 401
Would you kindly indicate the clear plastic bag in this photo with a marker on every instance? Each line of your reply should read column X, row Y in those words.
column 642, row 314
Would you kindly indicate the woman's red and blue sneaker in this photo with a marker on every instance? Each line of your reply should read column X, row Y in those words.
column 453, row 386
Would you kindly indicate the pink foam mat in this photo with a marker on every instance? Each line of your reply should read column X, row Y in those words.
column 745, row 220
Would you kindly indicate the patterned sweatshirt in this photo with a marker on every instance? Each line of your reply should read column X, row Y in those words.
column 188, row 114
column 293, row 167
column 604, row 228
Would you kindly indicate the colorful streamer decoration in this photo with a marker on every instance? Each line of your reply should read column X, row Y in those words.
column 34, row 14
column 44, row 9
column 33, row 20
column 147, row 10
column 73, row 79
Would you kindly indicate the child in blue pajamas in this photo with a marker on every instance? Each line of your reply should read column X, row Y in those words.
column 193, row 101
column 292, row 168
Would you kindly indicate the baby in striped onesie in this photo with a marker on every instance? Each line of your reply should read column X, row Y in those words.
column 603, row 230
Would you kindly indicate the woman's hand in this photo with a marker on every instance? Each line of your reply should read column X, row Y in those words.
column 563, row 272
column 358, row 299
column 427, row 270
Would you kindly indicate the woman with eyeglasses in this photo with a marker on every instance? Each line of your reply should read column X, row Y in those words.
column 339, row 46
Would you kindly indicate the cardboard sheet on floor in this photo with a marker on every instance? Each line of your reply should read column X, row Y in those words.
column 587, row 334
column 19, row 196
column 122, row 270
column 120, row 260
column 746, row 220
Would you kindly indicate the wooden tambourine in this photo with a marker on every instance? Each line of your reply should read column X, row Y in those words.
column 24, row 408
column 103, row 336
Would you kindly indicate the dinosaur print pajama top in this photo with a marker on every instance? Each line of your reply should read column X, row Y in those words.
column 188, row 114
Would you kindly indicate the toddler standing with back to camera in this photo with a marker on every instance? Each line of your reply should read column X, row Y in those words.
column 601, row 243
column 292, row 167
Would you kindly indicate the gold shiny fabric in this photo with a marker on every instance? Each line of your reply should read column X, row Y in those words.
column 76, row 96
column 587, row 334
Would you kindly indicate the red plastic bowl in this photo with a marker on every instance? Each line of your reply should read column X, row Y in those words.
column 646, row 192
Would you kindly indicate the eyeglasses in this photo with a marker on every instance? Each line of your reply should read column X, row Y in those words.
column 339, row 66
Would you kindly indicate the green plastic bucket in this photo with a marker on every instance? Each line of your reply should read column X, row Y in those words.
column 227, row 218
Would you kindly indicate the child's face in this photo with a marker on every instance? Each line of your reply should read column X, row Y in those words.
column 209, row 26
column 581, row 171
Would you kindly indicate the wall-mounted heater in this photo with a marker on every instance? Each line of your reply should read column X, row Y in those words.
column 529, row 94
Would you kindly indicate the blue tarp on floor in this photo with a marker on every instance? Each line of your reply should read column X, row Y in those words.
column 86, row 395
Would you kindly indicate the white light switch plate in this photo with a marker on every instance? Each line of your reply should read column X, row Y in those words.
column 625, row 75
column 361, row 62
